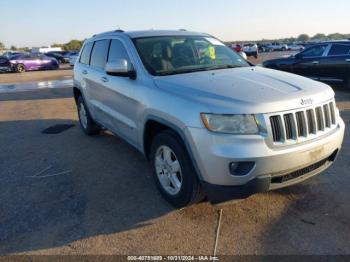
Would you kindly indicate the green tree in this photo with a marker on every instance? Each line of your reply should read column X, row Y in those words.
column 319, row 36
column 303, row 38
column 2, row 46
column 336, row 36
column 13, row 48
column 73, row 45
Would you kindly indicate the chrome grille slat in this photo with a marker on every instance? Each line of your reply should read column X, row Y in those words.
column 300, row 125
column 331, row 106
column 327, row 116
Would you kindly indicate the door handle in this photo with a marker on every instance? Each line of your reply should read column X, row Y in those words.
column 315, row 62
column 85, row 72
column 104, row 79
column 347, row 60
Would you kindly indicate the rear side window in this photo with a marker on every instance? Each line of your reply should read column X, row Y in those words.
column 99, row 54
column 339, row 50
column 117, row 51
column 85, row 55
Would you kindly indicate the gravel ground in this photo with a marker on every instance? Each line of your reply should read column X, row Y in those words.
column 72, row 194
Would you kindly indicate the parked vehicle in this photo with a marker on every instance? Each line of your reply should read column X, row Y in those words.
column 295, row 47
column 12, row 53
column 5, row 65
column 328, row 62
column 209, row 122
column 251, row 50
column 56, row 56
column 67, row 56
column 237, row 47
column 31, row 62
column 239, row 50
column 73, row 59
column 263, row 48
column 277, row 47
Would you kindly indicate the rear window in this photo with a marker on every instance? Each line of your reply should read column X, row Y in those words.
column 99, row 54
column 85, row 55
column 338, row 49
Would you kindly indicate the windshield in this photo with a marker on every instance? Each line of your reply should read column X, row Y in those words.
column 183, row 54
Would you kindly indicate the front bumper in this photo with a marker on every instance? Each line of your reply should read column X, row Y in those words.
column 214, row 152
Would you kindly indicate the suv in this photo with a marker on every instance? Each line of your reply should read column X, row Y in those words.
column 210, row 123
column 277, row 47
column 251, row 50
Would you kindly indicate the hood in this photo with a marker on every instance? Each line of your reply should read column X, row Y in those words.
column 246, row 90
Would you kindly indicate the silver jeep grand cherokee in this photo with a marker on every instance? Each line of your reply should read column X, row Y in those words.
column 210, row 123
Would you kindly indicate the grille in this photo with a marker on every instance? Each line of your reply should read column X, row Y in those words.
column 299, row 173
column 302, row 124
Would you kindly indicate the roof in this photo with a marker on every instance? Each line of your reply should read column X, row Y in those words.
column 150, row 33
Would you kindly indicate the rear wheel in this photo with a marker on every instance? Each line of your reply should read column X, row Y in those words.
column 173, row 170
column 20, row 68
column 86, row 122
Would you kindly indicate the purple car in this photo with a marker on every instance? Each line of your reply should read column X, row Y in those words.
column 31, row 62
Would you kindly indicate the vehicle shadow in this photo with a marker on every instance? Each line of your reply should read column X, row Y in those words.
column 56, row 189
column 49, row 93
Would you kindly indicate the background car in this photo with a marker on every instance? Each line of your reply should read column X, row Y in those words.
column 5, row 65
column 251, row 50
column 236, row 47
column 277, row 47
column 328, row 62
column 31, row 62
column 59, row 57
column 72, row 59
column 295, row 47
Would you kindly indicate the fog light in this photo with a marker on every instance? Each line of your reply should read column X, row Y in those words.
column 233, row 166
column 241, row 168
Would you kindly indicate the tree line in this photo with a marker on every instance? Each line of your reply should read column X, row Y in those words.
column 77, row 44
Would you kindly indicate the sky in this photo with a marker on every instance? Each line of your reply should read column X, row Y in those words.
column 44, row 22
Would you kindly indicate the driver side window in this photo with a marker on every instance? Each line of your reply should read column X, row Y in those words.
column 314, row 51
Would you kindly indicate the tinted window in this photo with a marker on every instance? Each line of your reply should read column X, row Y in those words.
column 85, row 55
column 99, row 54
column 314, row 51
column 338, row 49
column 117, row 51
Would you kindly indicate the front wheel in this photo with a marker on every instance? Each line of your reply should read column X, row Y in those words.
column 20, row 68
column 86, row 122
column 173, row 170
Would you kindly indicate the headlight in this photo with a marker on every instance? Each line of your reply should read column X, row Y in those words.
column 231, row 124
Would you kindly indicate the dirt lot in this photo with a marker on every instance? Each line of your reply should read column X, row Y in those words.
column 72, row 194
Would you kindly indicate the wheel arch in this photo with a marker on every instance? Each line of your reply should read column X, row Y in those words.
column 154, row 125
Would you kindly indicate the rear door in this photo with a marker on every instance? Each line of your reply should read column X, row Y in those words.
column 336, row 66
column 308, row 62
column 95, row 82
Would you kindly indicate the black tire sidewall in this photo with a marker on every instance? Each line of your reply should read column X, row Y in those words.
column 91, row 127
column 190, row 181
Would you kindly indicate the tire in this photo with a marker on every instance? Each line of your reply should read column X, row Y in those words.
column 190, row 190
column 87, row 124
column 20, row 68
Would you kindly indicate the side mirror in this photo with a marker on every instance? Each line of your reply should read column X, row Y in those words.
column 120, row 67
